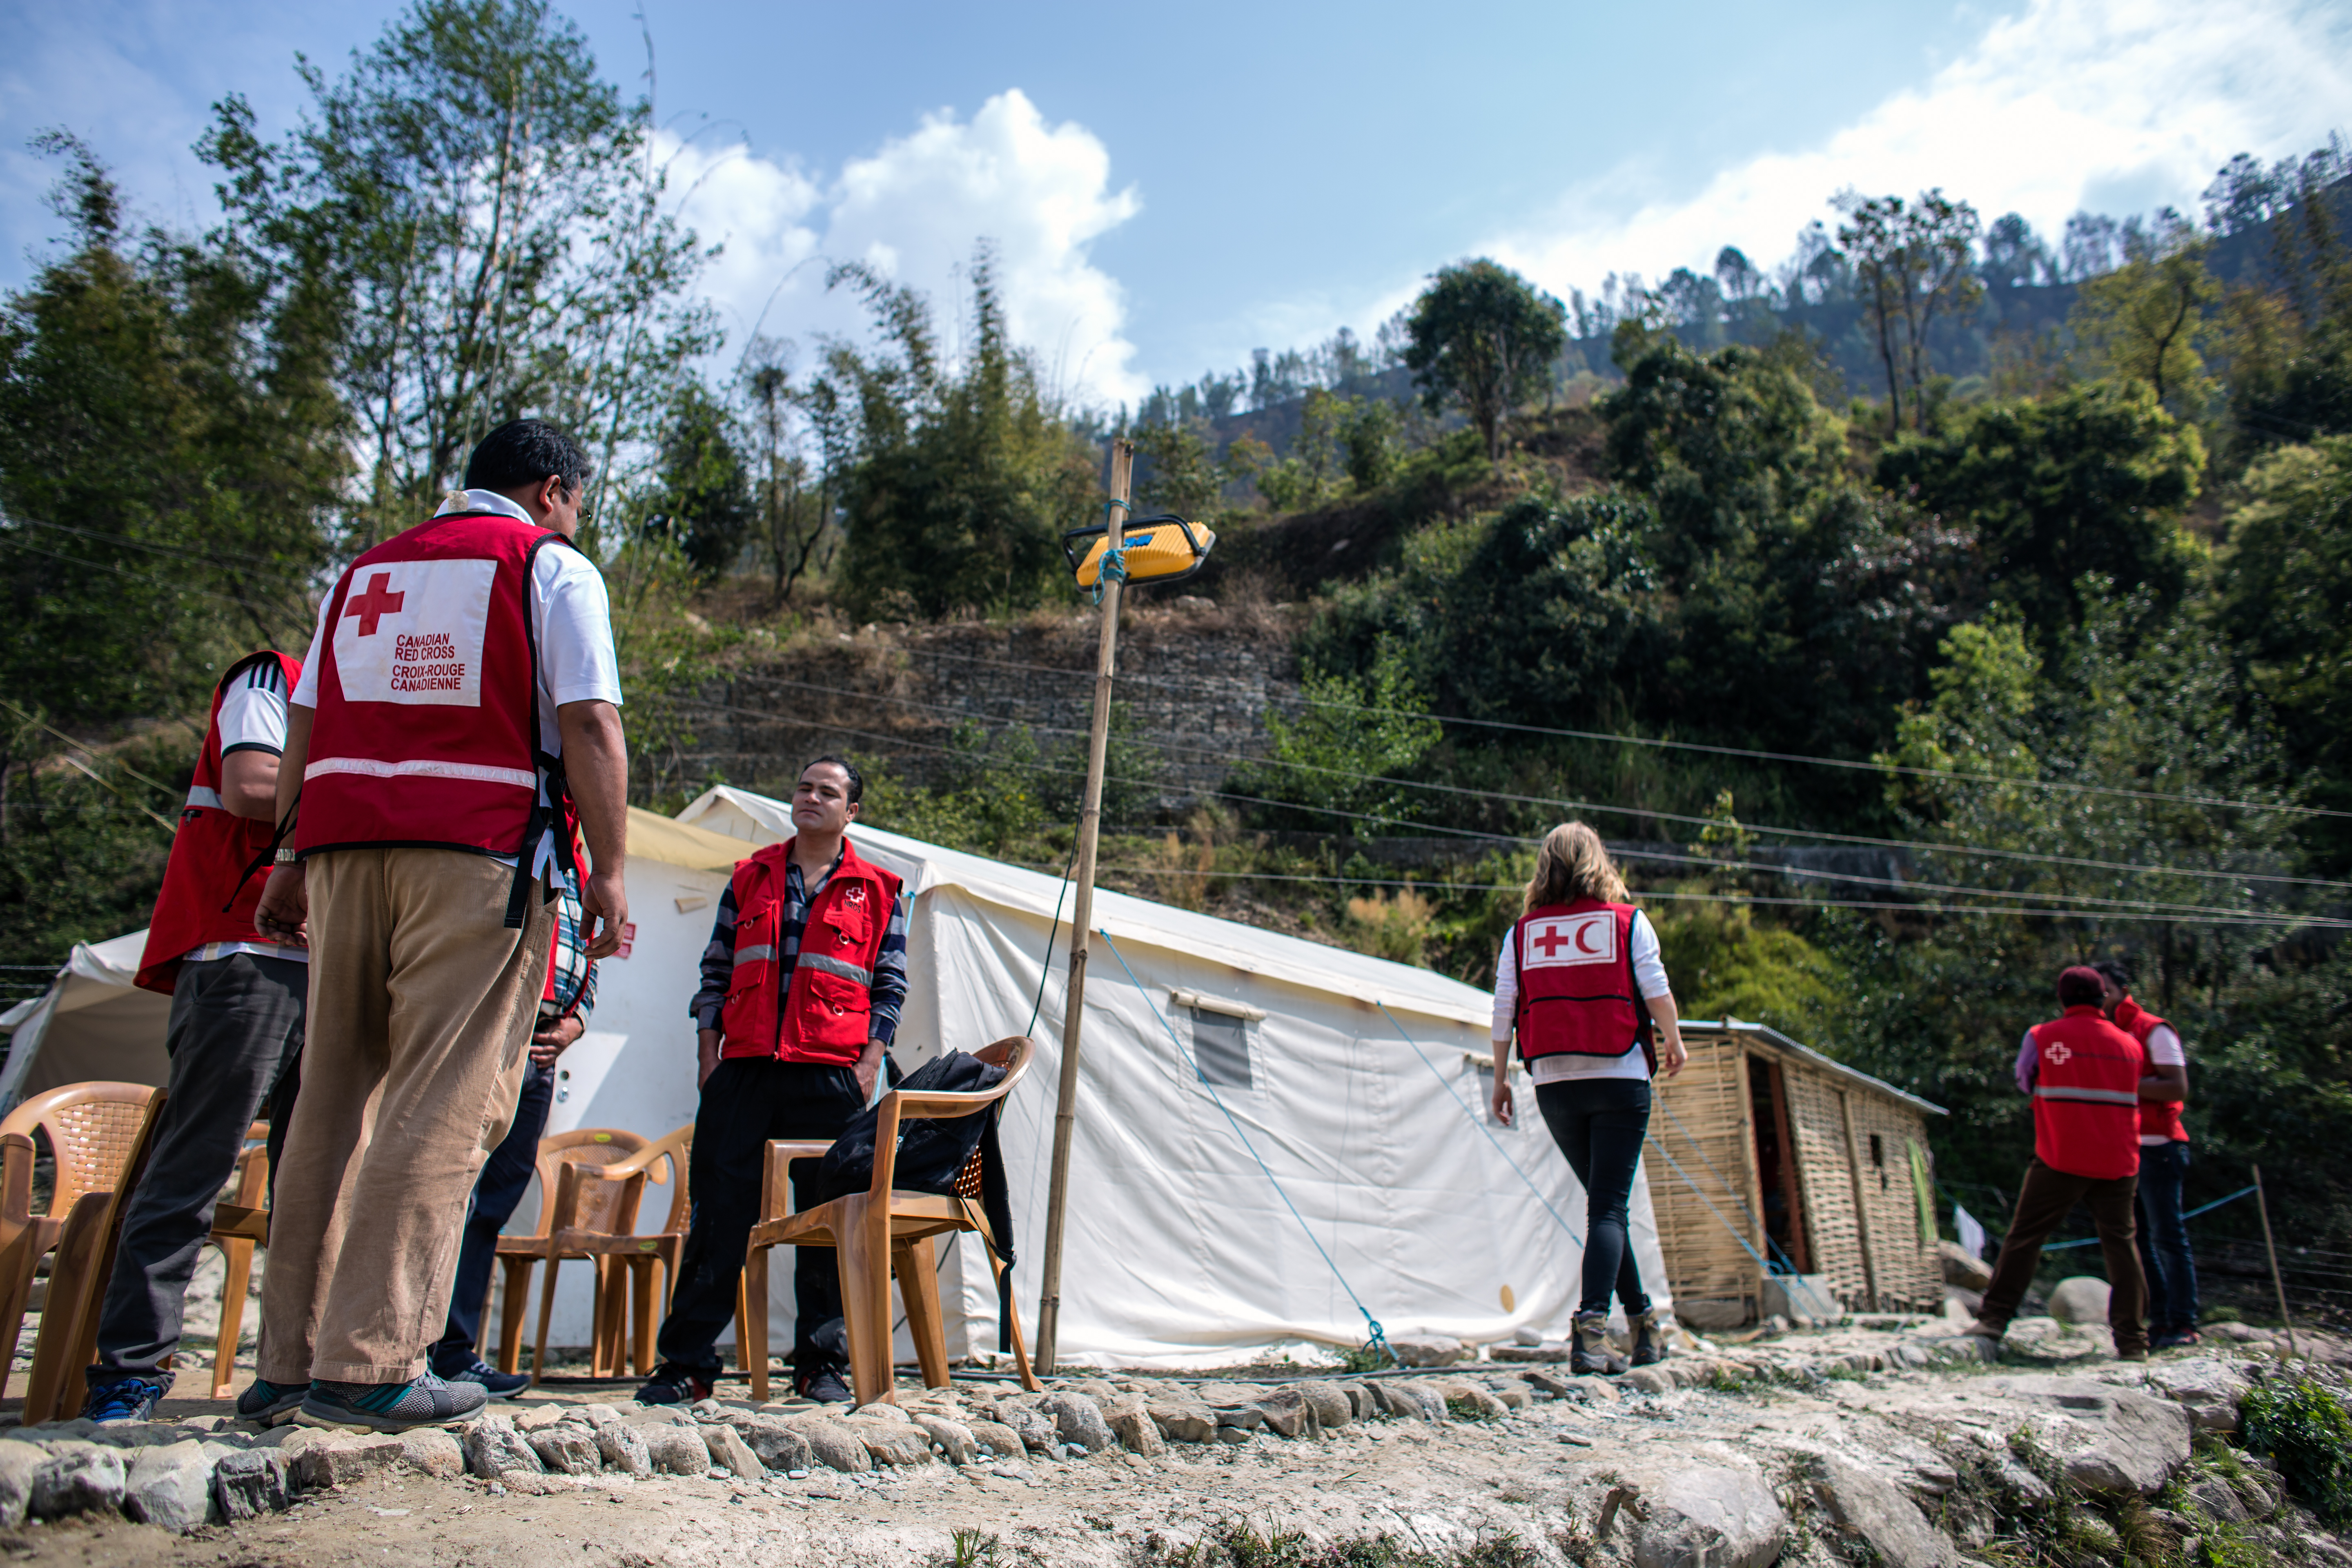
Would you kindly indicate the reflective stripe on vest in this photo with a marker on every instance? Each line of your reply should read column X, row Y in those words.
column 2097, row 1096
column 817, row 960
column 422, row 768
column 201, row 798
column 765, row 952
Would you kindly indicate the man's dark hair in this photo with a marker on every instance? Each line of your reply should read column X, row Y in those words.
column 2079, row 987
column 522, row 452
column 2117, row 971
column 857, row 779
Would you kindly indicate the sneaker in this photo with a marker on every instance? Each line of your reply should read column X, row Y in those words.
column 824, row 1386
column 121, row 1401
column 500, row 1385
column 423, row 1401
column 270, row 1402
column 674, row 1385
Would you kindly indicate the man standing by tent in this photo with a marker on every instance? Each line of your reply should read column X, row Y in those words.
column 2164, row 1252
column 461, row 695
column 2085, row 1075
column 801, row 986
column 234, row 1035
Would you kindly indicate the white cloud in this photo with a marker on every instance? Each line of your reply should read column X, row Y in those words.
column 2116, row 105
column 915, row 209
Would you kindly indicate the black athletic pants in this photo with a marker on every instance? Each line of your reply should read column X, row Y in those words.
column 1599, row 1123
column 506, row 1177
column 234, row 1036
column 746, row 1102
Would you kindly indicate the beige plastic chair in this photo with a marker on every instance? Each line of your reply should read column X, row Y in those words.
column 880, row 1232
column 238, row 1227
column 645, row 1265
column 517, row 1256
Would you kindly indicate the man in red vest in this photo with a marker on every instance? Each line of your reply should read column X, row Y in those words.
column 2164, row 1252
column 800, row 989
column 2085, row 1075
column 460, row 700
column 234, row 1035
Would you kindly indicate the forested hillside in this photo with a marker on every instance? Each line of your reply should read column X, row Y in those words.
column 1941, row 607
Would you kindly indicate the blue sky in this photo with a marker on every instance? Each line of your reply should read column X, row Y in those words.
column 1170, row 187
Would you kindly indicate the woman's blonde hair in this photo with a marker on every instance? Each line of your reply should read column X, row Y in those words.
column 1574, row 864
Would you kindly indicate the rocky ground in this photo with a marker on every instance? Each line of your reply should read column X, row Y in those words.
column 1887, row 1442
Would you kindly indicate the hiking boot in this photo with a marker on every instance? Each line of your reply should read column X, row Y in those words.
column 1982, row 1329
column 2131, row 1353
column 124, row 1400
column 1593, row 1356
column 270, row 1402
column 674, row 1385
column 423, row 1401
column 499, row 1384
column 2174, row 1339
column 823, row 1385
column 1650, row 1337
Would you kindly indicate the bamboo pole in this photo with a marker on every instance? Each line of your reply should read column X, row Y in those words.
column 1065, row 1107
column 2262, row 1203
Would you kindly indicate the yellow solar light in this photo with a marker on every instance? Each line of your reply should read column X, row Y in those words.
column 1165, row 549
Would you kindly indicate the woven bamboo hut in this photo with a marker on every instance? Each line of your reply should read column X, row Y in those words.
column 1766, row 1159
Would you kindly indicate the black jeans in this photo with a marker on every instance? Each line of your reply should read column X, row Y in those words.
column 1599, row 1123
column 746, row 1102
column 2164, row 1254
column 234, row 1035
column 506, row 1177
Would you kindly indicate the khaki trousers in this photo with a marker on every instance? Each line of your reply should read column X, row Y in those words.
column 2044, row 1200
column 421, row 1009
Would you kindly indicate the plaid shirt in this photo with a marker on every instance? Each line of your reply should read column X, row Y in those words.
column 573, row 974
column 889, row 988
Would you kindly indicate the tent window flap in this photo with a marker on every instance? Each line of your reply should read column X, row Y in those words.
column 1220, row 1048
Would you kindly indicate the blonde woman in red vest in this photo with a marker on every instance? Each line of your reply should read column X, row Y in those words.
column 1580, row 983
column 2085, row 1075
column 2164, row 1253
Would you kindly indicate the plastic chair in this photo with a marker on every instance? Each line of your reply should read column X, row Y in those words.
column 96, row 1132
column 644, row 1265
column 880, row 1232
column 238, row 1227
column 519, row 1255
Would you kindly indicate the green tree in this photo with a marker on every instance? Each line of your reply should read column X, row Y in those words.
column 958, row 479
column 1915, row 263
column 793, row 515
column 1180, row 471
column 2143, row 322
column 1355, row 731
column 2090, row 481
column 705, row 483
column 1485, row 337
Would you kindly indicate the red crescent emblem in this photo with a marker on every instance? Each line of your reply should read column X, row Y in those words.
column 1581, row 932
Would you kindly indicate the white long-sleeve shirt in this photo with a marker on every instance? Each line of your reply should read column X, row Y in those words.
column 1649, row 976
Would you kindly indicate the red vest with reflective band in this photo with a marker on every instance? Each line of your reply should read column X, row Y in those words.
column 210, row 851
column 427, row 733
column 2087, row 1096
column 2158, row 1118
column 824, row 1014
column 1577, row 995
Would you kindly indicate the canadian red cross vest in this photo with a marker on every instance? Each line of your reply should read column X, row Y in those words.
column 2087, row 1096
column 207, row 896
column 2158, row 1118
column 426, row 734
column 1577, row 994
column 824, row 1013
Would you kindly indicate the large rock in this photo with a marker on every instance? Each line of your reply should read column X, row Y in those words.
column 1430, row 1349
column 18, row 1461
column 1711, row 1509
column 78, row 1478
column 1329, row 1403
column 1132, row 1423
column 891, row 1442
column 1181, row 1421
column 1077, row 1419
column 493, row 1448
column 1037, row 1429
column 344, row 1458
column 1963, row 1267
column 2080, row 1300
column 833, row 1445
column 566, row 1450
column 1000, row 1441
column 251, row 1483
column 779, row 1447
column 1286, row 1412
column 623, row 1448
column 431, row 1451
column 2209, row 1389
column 2114, row 1441
column 676, row 1450
column 1864, row 1503
column 171, row 1486
column 730, row 1453
column 954, row 1438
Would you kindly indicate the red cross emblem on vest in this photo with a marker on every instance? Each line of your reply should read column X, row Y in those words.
column 378, row 602
column 1551, row 941
column 2058, row 1053
column 854, row 894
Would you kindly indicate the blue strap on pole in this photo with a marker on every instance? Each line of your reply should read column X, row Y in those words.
column 2192, row 1214
column 1482, row 1127
column 1114, row 561
column 1724, row 1181
column 1702, row 1198
column 1377, row 1340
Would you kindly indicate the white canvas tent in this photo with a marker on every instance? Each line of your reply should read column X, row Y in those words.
column 1183, row 1247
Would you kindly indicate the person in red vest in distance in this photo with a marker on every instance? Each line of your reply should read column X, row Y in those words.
column 460, row 700
column 2165, row 1259
column 2085, row 1075
column 801, row 986
column 1580, row 980
column 234, row 1035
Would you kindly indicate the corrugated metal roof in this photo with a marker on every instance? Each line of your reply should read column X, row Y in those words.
column 1796, row 1047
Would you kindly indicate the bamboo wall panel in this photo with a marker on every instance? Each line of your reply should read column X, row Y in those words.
column 1910, row 1274
column 1705, row 1262
column 1831, row 1234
